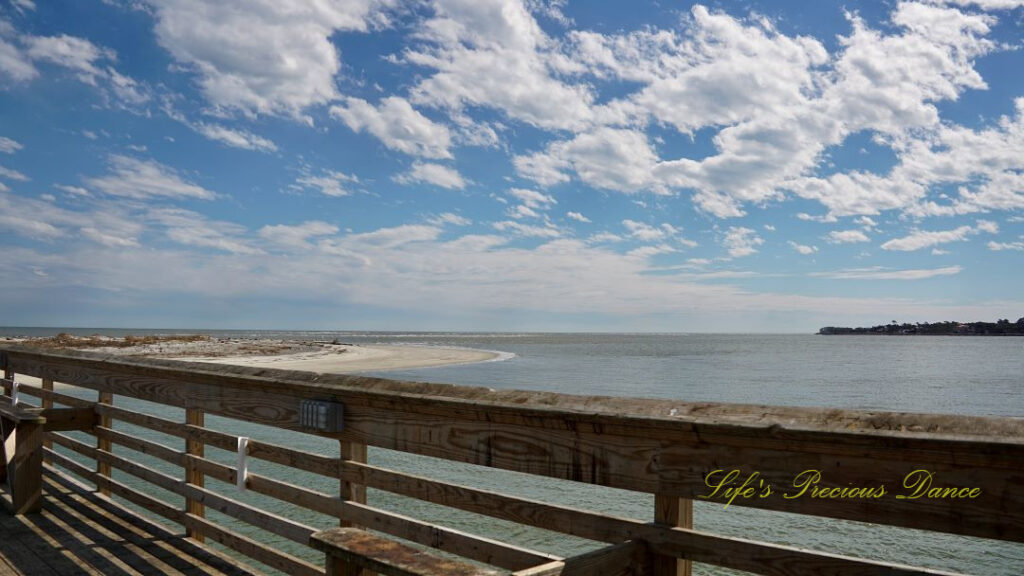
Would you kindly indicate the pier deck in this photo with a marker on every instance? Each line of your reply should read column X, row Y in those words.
column 78, row 532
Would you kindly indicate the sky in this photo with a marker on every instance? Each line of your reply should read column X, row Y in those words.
column 510, row 165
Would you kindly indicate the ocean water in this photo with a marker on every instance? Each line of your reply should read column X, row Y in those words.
column 956, row 375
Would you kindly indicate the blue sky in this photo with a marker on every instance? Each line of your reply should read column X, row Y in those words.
column 510, row 164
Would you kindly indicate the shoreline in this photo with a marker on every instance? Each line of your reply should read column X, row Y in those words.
column 305, row 355
column 352, row 358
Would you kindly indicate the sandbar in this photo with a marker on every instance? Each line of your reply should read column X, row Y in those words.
column 345, row 358
column 310, row 356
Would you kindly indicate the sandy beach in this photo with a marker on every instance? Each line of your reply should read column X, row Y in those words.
column 344, row 359
column 321, row 357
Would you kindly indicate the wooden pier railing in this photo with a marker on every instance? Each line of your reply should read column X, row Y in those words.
column 953, row 474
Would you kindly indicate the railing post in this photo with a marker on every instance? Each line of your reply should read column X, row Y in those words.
column 672, row 511
column 103, row 468
column 352, row 492
column 47, row 404
column 194, row 417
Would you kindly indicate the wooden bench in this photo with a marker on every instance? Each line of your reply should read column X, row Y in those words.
column 22, row 430
column 355, row 552
column 22, row 471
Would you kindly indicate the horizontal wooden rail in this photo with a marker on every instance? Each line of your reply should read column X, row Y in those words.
column 254, row 516
column 667, row 455
column 666, row 449
column 477, row 548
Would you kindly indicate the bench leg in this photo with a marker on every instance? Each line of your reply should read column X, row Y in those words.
column 23, row 456
column 339, row 567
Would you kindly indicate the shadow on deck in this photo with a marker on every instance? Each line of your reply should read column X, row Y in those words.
column 81, row 532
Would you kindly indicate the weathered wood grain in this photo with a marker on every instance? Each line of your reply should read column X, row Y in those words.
column 47, row 403
column 23, row 458
column 625, row 559
column 64, row 419
column 348, row 490
column 102, row 468
column 351, row 550
column 672, row 511
column 193, row 476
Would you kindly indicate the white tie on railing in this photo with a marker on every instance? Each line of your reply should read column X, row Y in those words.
column 243, row 464
column 14, row 393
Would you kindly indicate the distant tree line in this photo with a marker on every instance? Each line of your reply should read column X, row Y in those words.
column 949, row 328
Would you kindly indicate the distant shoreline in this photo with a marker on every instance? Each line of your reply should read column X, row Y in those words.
column 997, row 328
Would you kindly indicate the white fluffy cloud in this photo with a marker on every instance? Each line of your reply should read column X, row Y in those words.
column 436, row 174
column 397, row 125
column 494, row 54
column 802, row 248
column 926, row 238
column 608, row 158
column 14, row 63
column 135, row 178
column 532, row 198
column 236, row 138
column 741, row 241
column 847, row 236
column 329, row 183
column 190, row 228
column 70, row 52
column 997, row 246
column 8, row 146
column 11, row 174
column 91, row 64
column 879, row 273
column 717, row 75
column 297, row 237
column 774, row 122
column 647, row 232
column 260, row 57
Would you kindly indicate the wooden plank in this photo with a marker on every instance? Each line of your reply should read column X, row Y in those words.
column 19, row 413
column 141, row 445
column 102, row 468
column 64, row 419
column 55, row 397
column 672, row 511
column 257, row 551
column 625, row 559
column 352, row 491
column 193, row 476
column 315, row 463
column 775, row 559
column 23, row 463
column 350, row 550
column 637, row 451
column 47, row 403
column 477, row 548
column 207, row 467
